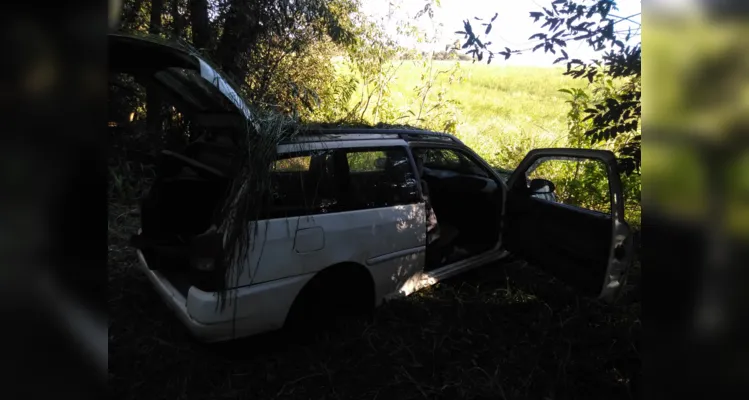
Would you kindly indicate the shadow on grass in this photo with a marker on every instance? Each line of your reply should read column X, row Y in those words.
column 502, row 331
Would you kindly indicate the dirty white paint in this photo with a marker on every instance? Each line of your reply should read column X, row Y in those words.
column 212, row 76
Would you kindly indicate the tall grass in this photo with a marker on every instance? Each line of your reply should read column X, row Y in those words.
column 503, row 111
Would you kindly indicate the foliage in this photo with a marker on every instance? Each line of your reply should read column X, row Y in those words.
column 591, row 21
column 368, row 62
column 579, row 125
column 505, row 112
column 374, row 63
column 278, row 51
column 294, row 56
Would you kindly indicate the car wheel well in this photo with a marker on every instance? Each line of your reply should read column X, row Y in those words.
column 348, row 280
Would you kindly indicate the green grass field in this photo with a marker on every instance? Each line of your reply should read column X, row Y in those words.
column 503, row 111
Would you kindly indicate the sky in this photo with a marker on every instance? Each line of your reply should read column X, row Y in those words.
column 511, row 29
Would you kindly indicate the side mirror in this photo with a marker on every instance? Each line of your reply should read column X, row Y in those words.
column 541, row 186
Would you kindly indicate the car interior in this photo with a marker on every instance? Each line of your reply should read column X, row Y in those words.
column 467, row 203
column 189, row 183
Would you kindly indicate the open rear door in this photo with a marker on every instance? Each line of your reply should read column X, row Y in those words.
column 565, row 213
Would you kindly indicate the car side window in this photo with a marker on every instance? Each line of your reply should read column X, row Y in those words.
column 292, row 164
column 451, row 160
column 366, row 161
column 303, row 184
column 577, row 182
column 327, row 181
column 441, row 159
column 379, row 178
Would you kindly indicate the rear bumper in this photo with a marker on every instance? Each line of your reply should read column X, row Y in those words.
column 249, row 310
column 175, row 301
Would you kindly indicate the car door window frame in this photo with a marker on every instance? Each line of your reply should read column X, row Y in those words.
column 414, row 199
column 469, row 154
column 540, row 161
column 614, row 185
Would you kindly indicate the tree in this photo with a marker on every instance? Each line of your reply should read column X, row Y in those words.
column 277, row 51
column 248, row 22
column 153, row 100
column 201, row 31
column 617, row 115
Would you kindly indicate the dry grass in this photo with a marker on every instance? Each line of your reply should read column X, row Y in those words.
column 502, row 331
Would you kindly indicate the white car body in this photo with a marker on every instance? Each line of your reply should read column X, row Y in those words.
column 390, row 242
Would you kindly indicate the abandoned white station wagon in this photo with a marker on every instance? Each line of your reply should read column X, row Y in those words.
column 350, row 224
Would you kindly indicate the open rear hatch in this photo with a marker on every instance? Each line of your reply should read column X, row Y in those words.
column 180, row 213
column 178, row 219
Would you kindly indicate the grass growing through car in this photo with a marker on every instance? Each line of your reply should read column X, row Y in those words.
column 506, row 330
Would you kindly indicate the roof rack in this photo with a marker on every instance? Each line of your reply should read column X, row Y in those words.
column 429, row 135
column 405, row 134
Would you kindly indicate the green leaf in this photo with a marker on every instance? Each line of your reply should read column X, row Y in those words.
column 537, row 35
column 536, row 15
